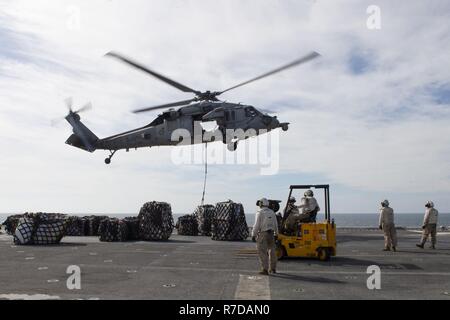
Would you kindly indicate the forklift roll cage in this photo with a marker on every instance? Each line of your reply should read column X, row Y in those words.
column 326, row 189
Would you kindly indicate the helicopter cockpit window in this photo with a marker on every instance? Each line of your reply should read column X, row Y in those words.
column 250, row 112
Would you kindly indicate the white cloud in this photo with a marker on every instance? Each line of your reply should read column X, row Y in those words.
column 379, row 131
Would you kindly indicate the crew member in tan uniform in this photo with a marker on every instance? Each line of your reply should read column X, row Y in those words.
column 388, row 226
column 309, row 207
column 292, row 216
column 429, row 225
column 265, row 232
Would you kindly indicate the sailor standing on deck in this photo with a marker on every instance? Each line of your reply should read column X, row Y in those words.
column 429, row 225
column 388, row 226
column 264, row 232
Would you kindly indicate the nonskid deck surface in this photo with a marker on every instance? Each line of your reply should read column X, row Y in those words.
column 199, row 268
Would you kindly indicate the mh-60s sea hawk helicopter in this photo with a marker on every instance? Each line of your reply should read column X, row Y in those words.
column 204, row 107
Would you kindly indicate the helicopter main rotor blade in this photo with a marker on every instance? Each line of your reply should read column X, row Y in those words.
column 165, row 106
column 171, row 82
column 313, row 55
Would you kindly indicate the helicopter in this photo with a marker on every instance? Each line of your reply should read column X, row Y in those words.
column 204, row 107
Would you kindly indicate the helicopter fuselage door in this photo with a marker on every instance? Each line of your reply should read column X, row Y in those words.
column 231, row 116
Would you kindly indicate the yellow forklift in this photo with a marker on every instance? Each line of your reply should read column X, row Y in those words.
column 312, row 239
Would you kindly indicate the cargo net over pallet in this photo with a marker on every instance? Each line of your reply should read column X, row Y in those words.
column 198, row 223
column 75, row 226
column 84, row 226
column 132, row 227
column 113, row 230
column 39, row 229
column 187, row 225
column 155, row 221
column 119, row 230
column 204, row 215
column 229, row 223
column 11, row 223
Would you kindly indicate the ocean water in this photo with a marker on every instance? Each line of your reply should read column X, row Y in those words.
column 406, row 220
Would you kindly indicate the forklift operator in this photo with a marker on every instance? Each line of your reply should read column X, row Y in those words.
column 309, row 207
column 292, row 214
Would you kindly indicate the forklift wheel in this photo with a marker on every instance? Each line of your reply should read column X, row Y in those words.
column 324, row 254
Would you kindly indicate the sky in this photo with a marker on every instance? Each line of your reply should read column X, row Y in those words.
column 370, row 117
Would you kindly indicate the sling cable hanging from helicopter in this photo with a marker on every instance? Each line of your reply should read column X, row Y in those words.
column 206, row 173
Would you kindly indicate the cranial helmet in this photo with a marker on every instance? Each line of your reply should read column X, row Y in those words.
column 429, row 204
column 264, row 203
column 385, row 203
column 292, row 200
column 309, row 193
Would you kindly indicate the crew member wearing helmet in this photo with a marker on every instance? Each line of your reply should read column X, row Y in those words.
column 309, row 207
column 291, row 216
column 264, row 233
column 429, row 225
column 388, row 226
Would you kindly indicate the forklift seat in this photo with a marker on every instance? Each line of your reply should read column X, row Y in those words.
column 313, row 216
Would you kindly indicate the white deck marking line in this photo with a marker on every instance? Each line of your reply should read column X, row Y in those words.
column 438, row 233
column 252, row 288
column 13, row 296
column 399, row 253
column 312, row 272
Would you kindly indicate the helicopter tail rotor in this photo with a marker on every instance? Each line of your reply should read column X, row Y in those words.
column 69, row 105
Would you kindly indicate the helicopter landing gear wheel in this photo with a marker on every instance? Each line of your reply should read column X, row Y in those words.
column 108, row 160
column 232, row 146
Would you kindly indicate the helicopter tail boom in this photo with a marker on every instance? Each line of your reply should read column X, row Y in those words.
column 82, row 137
